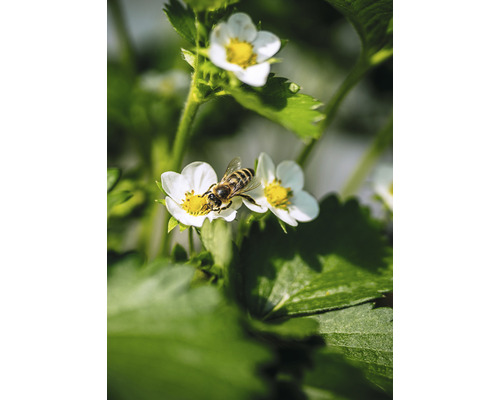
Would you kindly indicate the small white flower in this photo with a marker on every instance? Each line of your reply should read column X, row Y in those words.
column 281, row 192
column 383, row 184
column 185, row 200
column 237, row 46
column 166, row 84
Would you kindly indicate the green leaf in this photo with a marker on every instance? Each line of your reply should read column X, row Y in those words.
column 364, row 335
column 209, row 5
column 217, row 238
column 332, row 378
column 167, row 340
column 178, row 253
column 182, row 19
column 280, row 102
column 113, row 177
column 372, row 20
column 116, row 198
column 294, row 328
column 338, row 260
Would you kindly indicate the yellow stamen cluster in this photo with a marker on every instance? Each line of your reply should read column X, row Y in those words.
column 195, row 204
column 241, row 53
column 277, row 195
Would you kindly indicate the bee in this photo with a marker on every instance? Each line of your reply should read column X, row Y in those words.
column 235, row 182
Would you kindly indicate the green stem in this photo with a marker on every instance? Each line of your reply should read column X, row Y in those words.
column 191, row 242
column 193, row 102
column 378, row 146
column 359, row 70
column 126, row 48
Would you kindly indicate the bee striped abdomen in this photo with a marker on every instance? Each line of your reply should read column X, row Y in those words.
column 239, row 179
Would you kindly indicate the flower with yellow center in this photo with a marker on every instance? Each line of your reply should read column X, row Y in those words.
column 237, row 46
column 281, row 192
column 185, row 200
column 383, row 184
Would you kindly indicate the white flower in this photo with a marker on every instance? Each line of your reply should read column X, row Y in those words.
column 237, row 46
column 185, row 201
column 281, row 192
column 166, row 84
column 383, row 184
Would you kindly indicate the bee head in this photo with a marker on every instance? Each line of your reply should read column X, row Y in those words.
column 213, row 199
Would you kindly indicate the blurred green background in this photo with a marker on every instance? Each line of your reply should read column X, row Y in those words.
column 148, row 83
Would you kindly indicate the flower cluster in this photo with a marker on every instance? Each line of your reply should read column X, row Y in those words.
column 237, row 46
column 280, row 191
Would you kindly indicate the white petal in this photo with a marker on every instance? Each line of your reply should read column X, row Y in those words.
column 229, row 214
column 220, row 35
column 241, row 26
column 284, row 216
column 236, row 203
column 175, row 185
column 200, row 176
column 291, row 175
column 304, row 207
column 266, row 45
column 263, row 205
column 218, row 56
column 181, row 215
column 256, row 75
column 265, row 169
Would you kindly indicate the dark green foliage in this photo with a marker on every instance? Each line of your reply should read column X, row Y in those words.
column 338, row 260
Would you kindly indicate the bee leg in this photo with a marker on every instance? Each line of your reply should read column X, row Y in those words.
column 249, row 199
column 226, row 207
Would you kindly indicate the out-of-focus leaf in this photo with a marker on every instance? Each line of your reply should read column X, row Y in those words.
column 167, row 341
column 364, row 335
column 372, row 19
column 116, row 198
column 294, row 328
column 338, row 260
column 113, row 176
column 182, row 19
column 216, row 237
column 280, row 102
column 333, row 378
column 209, row 5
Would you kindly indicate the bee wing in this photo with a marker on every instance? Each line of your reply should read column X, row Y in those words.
column 234, row 165
column 253, row 184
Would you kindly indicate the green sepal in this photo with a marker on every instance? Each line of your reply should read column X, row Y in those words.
column 189, row 57
column 172, row 223
column 283, row 225
column 161, row 187
column 161, row 201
